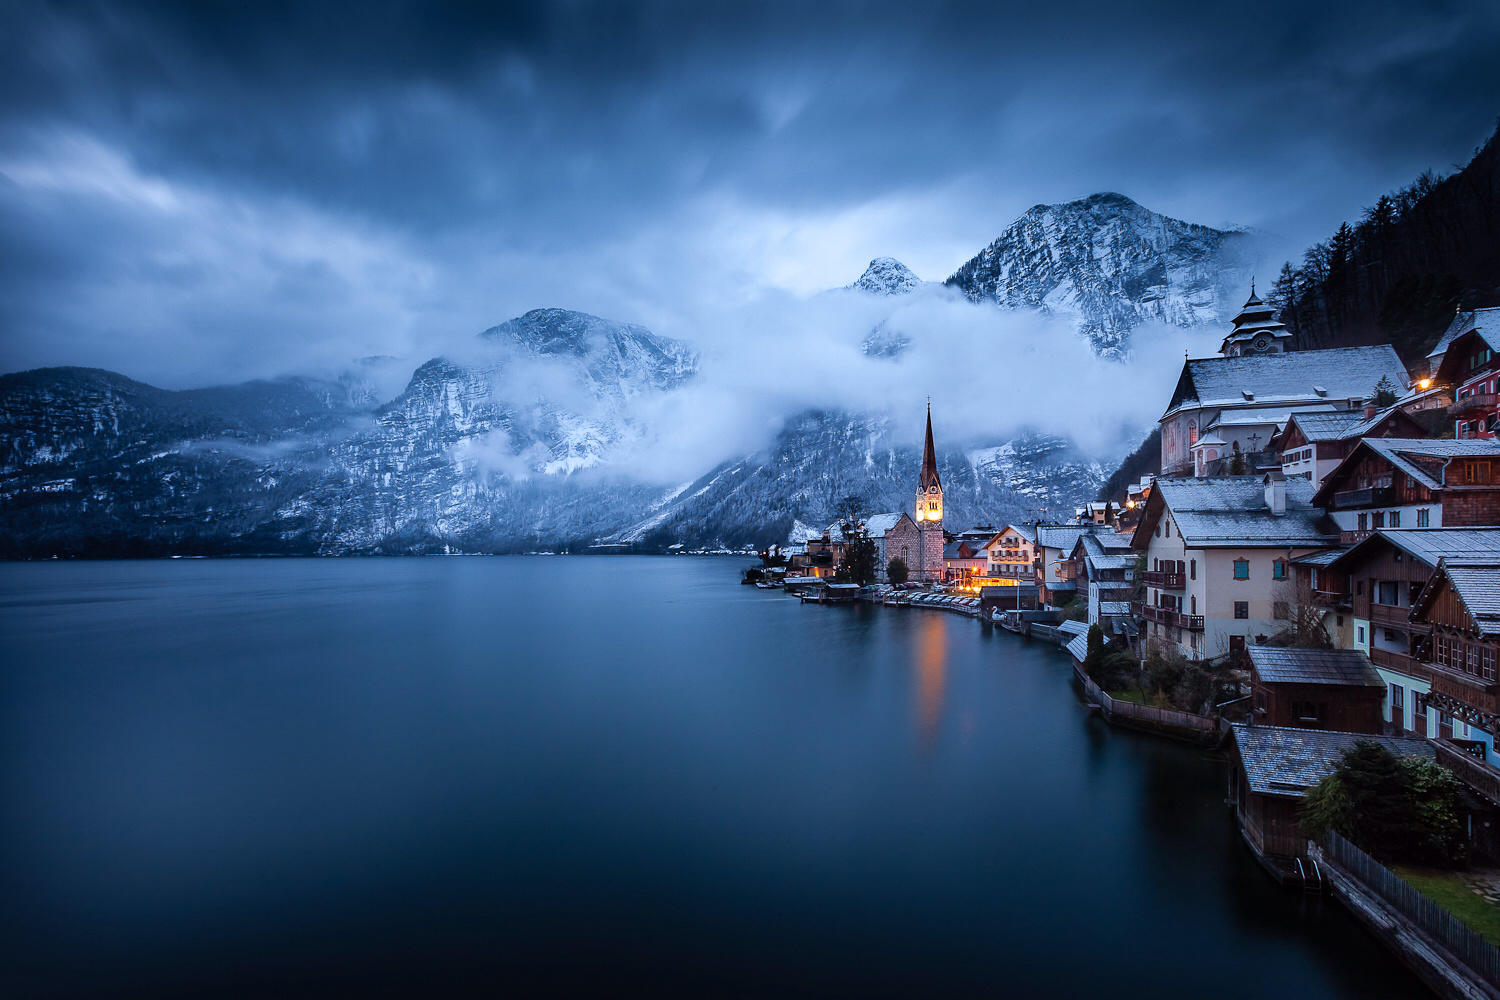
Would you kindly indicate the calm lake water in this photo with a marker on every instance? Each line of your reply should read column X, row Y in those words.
column 623, row 775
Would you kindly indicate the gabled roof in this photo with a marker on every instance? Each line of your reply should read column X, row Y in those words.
column 876, row 525
column 1320, row 559
column 1231, row 511
column 1060, row 536
column 1287, row 762
column 1426, row 545
column 1486, row 320
column 1025, row 531
column 1345, row 425
column 1285, row 665
column 1270, row 379
column 1476, row 580
column 1421, row 459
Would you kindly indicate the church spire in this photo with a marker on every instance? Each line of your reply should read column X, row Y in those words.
column 929, row 458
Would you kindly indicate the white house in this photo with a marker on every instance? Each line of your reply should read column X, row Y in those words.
column 1218, row 558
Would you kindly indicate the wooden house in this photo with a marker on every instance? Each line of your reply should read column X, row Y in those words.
column 1467, row 359
column 1272, row 769
column 1337, row 689
column 1381, row 579
column 1412, row 483
column 1460, row 608
column 1313, row 444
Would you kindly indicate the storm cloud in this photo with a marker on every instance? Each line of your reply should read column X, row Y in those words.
column 208, row 192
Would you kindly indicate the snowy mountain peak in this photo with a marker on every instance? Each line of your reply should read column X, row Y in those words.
column 1112, row 263
column 887, row 276
column 611, row 352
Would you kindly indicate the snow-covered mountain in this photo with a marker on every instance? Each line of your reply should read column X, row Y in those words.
column 821, row 457
column 510, row 444
column 1114, row 265
column 887, row 276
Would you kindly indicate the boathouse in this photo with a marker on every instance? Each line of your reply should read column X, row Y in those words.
column 1316, row 689
column 1273, row 768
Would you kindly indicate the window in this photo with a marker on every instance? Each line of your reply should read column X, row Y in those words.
column 1398, row 698
column 1242, row 609
column 1377, row 519
column 1167, row 529
column 1487, row 663
column 1477, row 472
column 1364, row 522
column 1359, row 633
column 1281, row 611
column 1193, row 608
column 1395, row 519
column 1278, row 570
column 1192, row 569
column 1385, row 593
column 1422, row 518
column 1242, row 569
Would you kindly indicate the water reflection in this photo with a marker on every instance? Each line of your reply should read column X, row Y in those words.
column 932, row 677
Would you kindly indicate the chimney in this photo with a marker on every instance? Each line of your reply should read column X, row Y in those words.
column 1370, row 408
column 1276, row 493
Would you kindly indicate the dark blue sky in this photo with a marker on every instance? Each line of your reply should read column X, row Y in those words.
column 201, row 192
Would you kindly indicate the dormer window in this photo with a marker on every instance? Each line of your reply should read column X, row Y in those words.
column 1249, row 396
column 1319, row 390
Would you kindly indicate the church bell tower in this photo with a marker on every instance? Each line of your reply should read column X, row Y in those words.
column 929, row 512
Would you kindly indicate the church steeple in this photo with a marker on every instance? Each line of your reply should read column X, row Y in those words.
column 929, row 475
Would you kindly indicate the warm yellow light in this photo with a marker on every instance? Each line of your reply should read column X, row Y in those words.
column 1130, row 504
column 1423, row 383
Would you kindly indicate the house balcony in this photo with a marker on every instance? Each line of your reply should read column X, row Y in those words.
column 1331, row 598
column 1476, row 692
column 1479, row 402
column 1353, row 537
column 1193, row 623
column 1370, row 496
column 1165, row 616
column 1399, row 662
column 1389, row 616
column 1164, row 580
column 1478, row 775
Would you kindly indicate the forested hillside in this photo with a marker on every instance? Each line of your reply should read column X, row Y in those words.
column 1397, row 275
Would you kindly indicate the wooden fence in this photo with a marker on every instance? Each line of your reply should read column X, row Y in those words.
column 1465, row 943
column 1116, row 708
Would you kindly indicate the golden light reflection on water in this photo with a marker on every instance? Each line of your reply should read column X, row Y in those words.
column 932, row 676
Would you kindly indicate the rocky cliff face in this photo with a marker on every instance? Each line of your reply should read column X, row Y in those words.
column 887, row 276
column 1114, row 265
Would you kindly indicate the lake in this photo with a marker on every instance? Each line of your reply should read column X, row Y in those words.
column 612, row 774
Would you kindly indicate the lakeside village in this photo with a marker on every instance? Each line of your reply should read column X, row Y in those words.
column 1312, row 584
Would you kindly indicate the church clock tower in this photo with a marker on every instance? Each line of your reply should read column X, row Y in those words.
column 929, row 512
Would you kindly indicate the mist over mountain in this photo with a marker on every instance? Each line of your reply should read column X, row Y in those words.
column 560, row 428
column 1113, row 265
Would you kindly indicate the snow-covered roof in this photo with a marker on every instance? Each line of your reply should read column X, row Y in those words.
column 1298, row 376
column 1279, row 417
column 1059, row 536
column 1423, row 460
column 1475, row 578
column 1487, row 321
column 1428, row 545
column 1231, row 511
column 1284, row 761
column 1114, row 607
column 876, row 525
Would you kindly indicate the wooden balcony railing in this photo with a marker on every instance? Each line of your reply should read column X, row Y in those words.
column 1165, row 580
column 1370, row 496
column 1193, row 623
column 1479, row 402
column 1478, row 775
column 1386, row 614
column 1476, row 692
column 1399, row 662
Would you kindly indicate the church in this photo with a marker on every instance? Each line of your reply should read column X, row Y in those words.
column 919, row 540
column 1234, row 404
